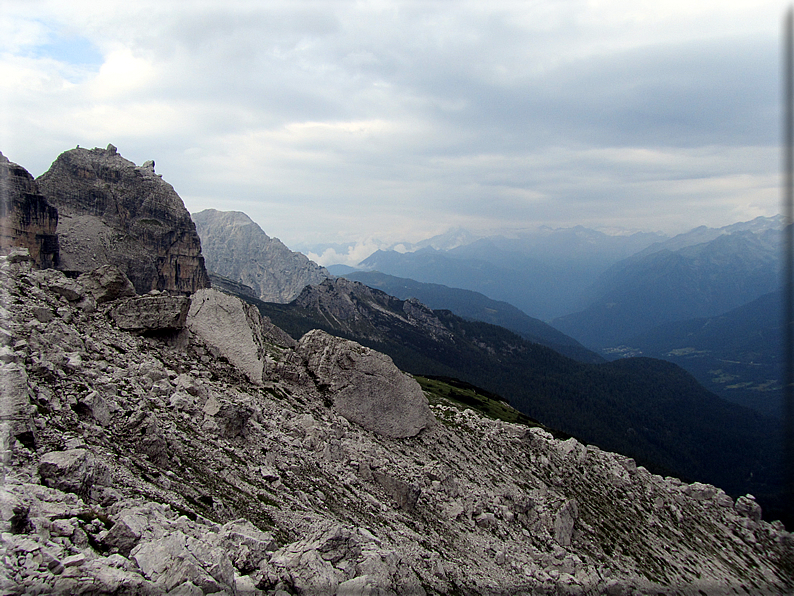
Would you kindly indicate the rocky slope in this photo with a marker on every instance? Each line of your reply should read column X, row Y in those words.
column 237, row 248
column 114, row 212
column 648, row 409
column 26, row 218
column 147, row 452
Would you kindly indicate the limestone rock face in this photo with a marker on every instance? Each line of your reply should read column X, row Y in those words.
column 366, row 386
column 235, row 329
column 114, row 212
column 27, row 220
column 237, row 248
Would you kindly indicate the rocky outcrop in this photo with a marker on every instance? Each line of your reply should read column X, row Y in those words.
column 153, row 467
column 27, row 220
column 114, row 212
column 237, row 248
column 365, row 386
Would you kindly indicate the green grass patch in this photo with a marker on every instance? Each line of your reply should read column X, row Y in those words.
column 464, row 395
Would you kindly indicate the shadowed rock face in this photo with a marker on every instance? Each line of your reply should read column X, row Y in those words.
column 114, row 212
column 26, row 218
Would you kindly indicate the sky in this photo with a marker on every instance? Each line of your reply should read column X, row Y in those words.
column 367, row 123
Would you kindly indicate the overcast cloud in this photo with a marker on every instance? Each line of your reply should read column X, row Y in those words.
column 378, row 122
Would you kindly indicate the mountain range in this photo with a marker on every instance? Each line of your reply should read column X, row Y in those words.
column 162, row 438
column 477, row 307
column 545, row 273
column 653, row 288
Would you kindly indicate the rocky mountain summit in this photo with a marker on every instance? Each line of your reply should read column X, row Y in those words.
column 235, row 247
column 146, row 451
column 114, row 212
column 26, row 218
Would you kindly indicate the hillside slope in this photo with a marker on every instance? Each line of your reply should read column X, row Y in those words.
column 137, row 460
column 477, row 307
column 650, row 410
column 737, row 355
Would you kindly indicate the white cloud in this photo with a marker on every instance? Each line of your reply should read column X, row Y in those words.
column 345, row 120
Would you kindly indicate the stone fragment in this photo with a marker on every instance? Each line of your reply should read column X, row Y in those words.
column 365, row 386
column 564, row 523
column 106, row 283
column 126, row 532
column 151, row 313
column 10, row 506
column 169, row 563
column 15, row 422
column 74, row 470
column 404, row 494
column 747, row 507
column 247, row 544
column 74, row 560
column 485, row 519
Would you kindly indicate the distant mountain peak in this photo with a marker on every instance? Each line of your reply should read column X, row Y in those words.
column 235, row 247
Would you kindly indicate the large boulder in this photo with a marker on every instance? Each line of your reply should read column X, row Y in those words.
column 151, row 313
column 114, row 212
column 235, row 330
column 74, row 470
column 107, row 283
column 27, row 219
column 365, row 386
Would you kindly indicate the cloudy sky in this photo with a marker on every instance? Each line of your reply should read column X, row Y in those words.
column 375, row 122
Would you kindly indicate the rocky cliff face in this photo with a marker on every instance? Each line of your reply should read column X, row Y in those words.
column 140, row 460
column 114, row 212
column 26, row 218
column 236, row 247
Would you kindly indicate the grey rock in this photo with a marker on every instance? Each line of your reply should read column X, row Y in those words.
column 106, row 283
column 15, row 420
column 169, row 563
column 404, row 493
column 113, row 212
column 234, row 329
column 564, row 523
column 27, row 219
column 365, row 386
column 235, row 247
column 747, row 507
column 151, row 313
column 73, row 470
column 247, row 544
column 126, row 532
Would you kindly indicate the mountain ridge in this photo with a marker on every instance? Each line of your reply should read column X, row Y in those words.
column 231, row 239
